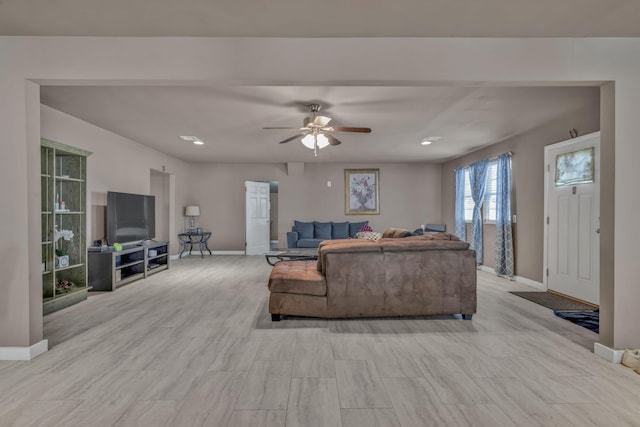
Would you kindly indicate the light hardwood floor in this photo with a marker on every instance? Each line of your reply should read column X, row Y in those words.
column 195, row 346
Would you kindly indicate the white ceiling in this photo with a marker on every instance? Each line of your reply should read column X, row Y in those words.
column 230, row 119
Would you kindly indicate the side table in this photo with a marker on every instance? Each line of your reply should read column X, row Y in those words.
column 189, row 239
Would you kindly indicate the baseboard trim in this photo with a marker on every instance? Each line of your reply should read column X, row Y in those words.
column 531, row 283
column 487, row 269
column 24, row 353
column 607, row 353
column 518, row 279
column 197, row 254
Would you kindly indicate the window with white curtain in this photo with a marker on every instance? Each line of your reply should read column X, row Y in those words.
column 468, row 200
column 489, row 204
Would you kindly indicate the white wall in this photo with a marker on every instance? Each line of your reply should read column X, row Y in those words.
column 407, row 61
column 409, row 196
column 159, row 187
column 117, row 164
column 527, row 198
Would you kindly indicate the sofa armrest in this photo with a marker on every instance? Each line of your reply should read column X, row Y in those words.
column 292, row 239
column 436, row 227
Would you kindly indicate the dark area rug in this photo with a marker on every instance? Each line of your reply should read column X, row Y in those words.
column 554, row 302
column 586, row 319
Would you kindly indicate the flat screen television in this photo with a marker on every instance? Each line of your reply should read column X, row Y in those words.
column 130, row 217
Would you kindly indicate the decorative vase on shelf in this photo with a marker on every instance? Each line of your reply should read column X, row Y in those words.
column 62, row 261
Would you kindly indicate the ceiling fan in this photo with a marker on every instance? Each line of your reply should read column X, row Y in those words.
column 315, row 130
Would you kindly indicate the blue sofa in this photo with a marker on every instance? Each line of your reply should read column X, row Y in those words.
column 310, row 234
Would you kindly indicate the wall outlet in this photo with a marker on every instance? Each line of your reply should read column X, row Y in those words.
column 513, row 220
column 328, row 183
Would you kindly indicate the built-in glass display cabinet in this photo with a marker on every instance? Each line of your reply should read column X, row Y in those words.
column 63, row 174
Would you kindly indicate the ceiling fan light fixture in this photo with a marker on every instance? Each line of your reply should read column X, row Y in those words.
column 323, row 141
column 308, row 141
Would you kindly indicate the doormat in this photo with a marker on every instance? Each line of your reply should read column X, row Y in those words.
column 554, row 301
column 586, row 319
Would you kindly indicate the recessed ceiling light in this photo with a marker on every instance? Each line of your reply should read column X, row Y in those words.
column 190, row 138
column 429, row 139
column 193, row 139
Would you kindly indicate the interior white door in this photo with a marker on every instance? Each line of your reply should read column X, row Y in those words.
column 573, row 226
column 257, row 217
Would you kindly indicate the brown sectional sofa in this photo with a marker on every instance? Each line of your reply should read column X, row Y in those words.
column 419, row 275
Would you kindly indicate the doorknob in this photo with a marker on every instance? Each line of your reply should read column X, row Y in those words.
column 598, row 230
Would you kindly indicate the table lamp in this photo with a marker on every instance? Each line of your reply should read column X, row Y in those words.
column 193, row 212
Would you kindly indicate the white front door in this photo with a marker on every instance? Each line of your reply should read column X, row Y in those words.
column 573, row 221
column 257, row 217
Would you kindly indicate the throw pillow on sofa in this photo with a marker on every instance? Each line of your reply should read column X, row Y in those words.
column 368, row 235
column 396, row 233
column 322, row 230
column 340, row 230
column 354, row 227
column 304, row 229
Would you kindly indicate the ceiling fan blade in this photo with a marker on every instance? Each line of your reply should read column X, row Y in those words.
column 316, row 121
column 332, row 139
column 321, row 120
column 350, row 129
column 291, row 139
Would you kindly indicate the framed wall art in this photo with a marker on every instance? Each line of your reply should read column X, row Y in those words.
column 361, row 192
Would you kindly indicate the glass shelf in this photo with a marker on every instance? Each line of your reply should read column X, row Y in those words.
column 66, row 178
column 70, row 267
column 69, row 212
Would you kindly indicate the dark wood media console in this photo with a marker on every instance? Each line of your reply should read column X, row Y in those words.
column 109, row 270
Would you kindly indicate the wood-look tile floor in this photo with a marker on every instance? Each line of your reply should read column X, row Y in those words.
column 195, row 346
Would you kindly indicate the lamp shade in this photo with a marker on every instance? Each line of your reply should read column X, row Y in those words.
column 309, row 141
column 322, row 141
column 192, row 211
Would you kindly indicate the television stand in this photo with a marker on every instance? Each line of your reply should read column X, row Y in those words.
column 110, row 270
column 144, row 242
